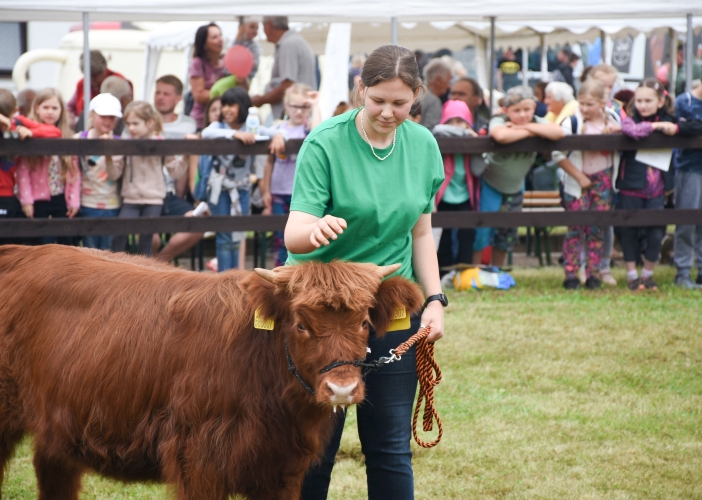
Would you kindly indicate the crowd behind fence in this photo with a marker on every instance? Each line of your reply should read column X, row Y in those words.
column 78, row 226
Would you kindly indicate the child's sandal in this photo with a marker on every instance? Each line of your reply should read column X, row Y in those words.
column 636, row 285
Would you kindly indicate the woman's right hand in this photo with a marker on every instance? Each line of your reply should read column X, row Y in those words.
column 245, row 137
column 328, row 227
column 584, row 181
column 28, row 211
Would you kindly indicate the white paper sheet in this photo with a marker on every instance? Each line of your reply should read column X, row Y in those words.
column 657, row 158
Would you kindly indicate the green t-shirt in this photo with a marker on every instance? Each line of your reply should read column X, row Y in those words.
column 457, row 190
column 506, row 171
column 381, row 201
column 222, row 85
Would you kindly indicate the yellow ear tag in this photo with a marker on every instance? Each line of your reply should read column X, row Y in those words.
column 262, row 323
column 400, row 320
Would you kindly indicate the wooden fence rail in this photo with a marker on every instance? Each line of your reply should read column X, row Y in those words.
column 43, row 147
column 23, row 228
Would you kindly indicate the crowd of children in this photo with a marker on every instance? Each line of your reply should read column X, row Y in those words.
column 588, row 180
column 136, row 186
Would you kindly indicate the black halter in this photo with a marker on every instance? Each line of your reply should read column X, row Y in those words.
column 373, row 365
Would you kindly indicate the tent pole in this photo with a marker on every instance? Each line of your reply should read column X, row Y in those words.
column 393, row 30
column 544, row 59
column 689, row 59
column 86, row 70
column 673, row 71
column 492, row 60
column 603, row 49
column 525, row 66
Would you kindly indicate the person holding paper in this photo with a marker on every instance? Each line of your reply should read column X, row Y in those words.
column 587, row 184
column 645, row 177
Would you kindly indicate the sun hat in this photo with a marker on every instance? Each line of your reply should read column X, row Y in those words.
column 106, row 105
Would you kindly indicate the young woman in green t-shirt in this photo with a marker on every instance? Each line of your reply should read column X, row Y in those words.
column 364, row 192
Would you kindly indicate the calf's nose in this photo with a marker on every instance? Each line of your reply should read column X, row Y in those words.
column 341, row 394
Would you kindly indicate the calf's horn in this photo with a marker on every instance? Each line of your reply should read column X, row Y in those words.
column 266, row 274
column 388, row 270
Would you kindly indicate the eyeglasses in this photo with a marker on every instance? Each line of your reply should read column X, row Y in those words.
column 297, row 107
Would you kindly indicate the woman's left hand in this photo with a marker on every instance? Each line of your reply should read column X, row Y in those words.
column 433, row 317
column 72, row 212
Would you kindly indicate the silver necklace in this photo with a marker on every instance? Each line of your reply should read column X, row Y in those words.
column 369, row 142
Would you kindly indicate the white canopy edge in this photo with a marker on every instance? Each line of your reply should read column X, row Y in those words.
column 347, row 11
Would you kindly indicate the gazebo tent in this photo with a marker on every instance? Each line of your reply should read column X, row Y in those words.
column 514, row 15
column 349, row 10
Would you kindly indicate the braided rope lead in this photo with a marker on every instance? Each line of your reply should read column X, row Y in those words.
column 426, row 367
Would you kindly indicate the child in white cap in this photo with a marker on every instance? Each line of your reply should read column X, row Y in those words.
column 99, row 194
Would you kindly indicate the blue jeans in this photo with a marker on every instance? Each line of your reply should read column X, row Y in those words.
column 384, row 426
column 101, row 242
column 281, row 206
column 227, row 249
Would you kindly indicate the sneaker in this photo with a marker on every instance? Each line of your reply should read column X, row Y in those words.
column 635, row 285
column 608, row 279
column 686, row 283
column 571, row 284
column 593, row 283
column 649, row 284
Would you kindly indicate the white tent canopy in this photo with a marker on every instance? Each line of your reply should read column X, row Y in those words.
column 349, row 10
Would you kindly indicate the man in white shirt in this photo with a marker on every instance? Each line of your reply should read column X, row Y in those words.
column 169, row 92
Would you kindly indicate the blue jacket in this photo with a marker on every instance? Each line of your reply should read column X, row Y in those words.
column 689, row 113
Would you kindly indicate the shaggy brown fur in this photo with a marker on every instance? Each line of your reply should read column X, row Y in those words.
column 143, row 372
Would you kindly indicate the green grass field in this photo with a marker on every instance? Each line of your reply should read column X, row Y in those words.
column 547, row 394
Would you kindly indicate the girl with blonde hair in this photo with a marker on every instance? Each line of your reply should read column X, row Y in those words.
column 49, row 186
column 143, row 183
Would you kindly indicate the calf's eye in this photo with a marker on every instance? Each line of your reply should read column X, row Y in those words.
column 301, row 327
column 364, row 324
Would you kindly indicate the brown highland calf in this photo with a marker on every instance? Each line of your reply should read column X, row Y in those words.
column 143, row 372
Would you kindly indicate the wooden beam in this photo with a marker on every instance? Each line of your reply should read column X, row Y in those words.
column 23, row 228
column 473, row 145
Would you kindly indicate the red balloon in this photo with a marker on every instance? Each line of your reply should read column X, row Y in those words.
column 239, row 61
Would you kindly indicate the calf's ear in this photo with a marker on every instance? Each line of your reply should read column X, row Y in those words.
column 394, row 293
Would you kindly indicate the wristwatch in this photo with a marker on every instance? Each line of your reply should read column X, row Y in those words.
column 441, row 297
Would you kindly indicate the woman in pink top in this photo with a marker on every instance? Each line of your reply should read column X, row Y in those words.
column 49, row 186
column 205, row 69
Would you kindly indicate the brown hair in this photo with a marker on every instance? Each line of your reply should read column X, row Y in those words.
column 67, row 164
column 45, row 95
column 653, row 84
column 8, row 103
column 341, row 108
column 98, row 63
column 146, row 112
column 386, row 63
column 172, row 80
column 206, row 117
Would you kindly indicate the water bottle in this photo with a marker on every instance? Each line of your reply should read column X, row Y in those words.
column 253, row 121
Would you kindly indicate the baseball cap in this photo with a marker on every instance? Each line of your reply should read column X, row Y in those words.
column 106, row 105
